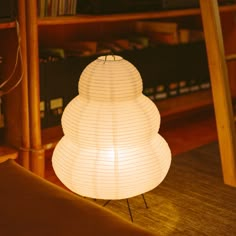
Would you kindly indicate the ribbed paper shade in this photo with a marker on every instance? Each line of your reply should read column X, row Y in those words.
column 111, row 148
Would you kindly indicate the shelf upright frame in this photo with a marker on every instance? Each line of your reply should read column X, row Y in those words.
column 220, row 89
column 25, row 137
column 37, row 151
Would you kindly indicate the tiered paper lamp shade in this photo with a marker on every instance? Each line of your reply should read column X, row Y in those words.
column 111, row 148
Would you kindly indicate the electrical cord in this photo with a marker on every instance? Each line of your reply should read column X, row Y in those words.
column 18, row 59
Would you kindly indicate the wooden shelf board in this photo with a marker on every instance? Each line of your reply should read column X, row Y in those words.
column 185, row 103
column 7, row 25
column 51, row 136
column 81, row 19
column 8, row 153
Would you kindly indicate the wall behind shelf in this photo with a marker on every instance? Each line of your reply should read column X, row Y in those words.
column 12, row 101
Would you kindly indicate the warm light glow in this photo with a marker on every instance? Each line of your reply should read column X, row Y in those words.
column 111, row 148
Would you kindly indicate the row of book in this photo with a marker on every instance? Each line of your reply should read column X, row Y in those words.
column 99, row 7
column 56, row 8
column 91, row 48
column 176, row 88
column 147, row 34
column 71, row 7
column 166, row 70
column 167, row 32
column 58, row 86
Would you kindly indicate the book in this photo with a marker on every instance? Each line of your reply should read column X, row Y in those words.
column 54, row 10
column 156, row 26
column 56, row 7
column 41, row 8
column 190, row 35
column 51, row 54
column 138, row 41
column 159, row 32
column 80, row 48
column 164, row 38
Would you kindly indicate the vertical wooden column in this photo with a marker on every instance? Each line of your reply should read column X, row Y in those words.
column 25, row 140
column 37, row 152
column 220, row 89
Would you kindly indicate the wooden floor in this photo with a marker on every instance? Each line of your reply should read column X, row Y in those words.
column 192, row 199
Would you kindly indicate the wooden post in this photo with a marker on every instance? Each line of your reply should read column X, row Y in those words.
column 220, row 89
column 37, row 152
column 25, row 140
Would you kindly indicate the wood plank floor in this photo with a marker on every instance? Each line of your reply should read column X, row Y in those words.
column 192, row 200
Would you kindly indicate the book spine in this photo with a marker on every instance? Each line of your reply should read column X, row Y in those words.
column 61, row 7
column 154, row 26
column 41, row 7
column 164, row 38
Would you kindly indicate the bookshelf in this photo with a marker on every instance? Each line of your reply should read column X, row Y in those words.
column 43, row 31
column 7, row 25
column 15, row 140
column 82, row 19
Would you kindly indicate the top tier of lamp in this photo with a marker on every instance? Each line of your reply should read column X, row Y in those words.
column 110, row 79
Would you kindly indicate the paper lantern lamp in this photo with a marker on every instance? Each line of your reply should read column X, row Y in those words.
column 111, row 148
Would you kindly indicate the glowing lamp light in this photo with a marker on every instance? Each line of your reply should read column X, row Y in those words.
column 111, row 148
